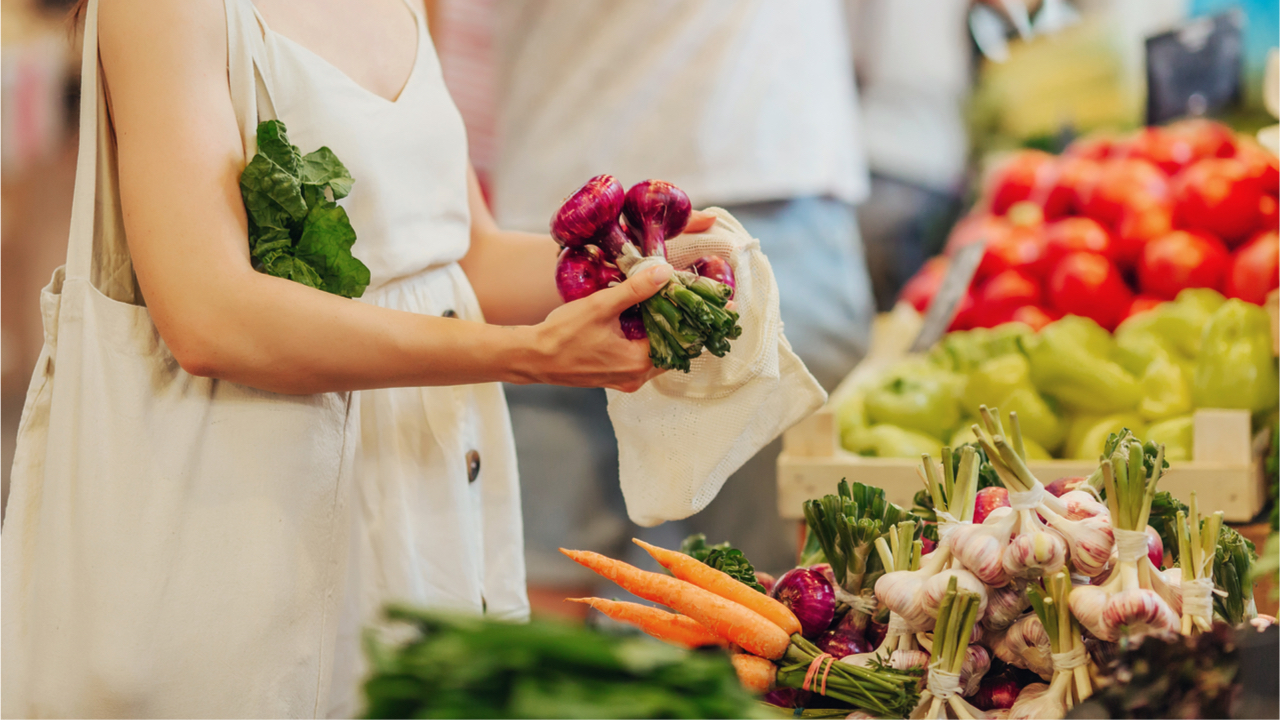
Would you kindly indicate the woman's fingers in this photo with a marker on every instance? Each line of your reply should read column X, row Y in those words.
column 699, row 221
column 634, row 290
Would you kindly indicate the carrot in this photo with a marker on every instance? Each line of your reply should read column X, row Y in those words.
column 725, row 618
column 666, row 626
column 726, row 586
column 756, row 674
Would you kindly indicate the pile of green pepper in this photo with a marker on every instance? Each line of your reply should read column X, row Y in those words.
column 1073, row 383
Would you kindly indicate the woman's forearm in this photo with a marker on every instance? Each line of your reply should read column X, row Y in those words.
column 513, row 274
column 280, row 336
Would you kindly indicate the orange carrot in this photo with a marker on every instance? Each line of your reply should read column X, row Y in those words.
column 756, row 674
column 725, row 618
column 726, row 586
column 666, row 626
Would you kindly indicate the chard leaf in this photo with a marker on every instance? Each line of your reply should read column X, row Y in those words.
column 324, row 169
column 286, row 266
column 272, row 196
column 273, row 142
column 325, row 244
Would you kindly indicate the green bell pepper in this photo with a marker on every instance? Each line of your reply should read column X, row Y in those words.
column 1087, row 437
column 965, row 350
column 1235, row 368
column 1166, row 390
column 1173, row 328
column 1005, row 382
column 1177, row 436
column 1072, row 361
column 916, row 396
column 892, row 441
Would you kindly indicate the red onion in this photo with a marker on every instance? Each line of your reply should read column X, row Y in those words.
column 845, row 639
column 655, row 210
column 787, row 697
column 1155, row 547
column 927, row 546
column 716, row 268
column 988, row 499
column 633, row 324
column 588, row 211
column 1064, row 485
column 767, row 580
column 580, row 271
column 995, row 692
column 810, row 596
column 876, row 632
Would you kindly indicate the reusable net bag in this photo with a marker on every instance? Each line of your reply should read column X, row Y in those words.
column 682, row 435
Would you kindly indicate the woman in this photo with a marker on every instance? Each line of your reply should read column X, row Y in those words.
column 189, row 591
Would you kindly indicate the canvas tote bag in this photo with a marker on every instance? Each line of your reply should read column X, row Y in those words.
column 172, row 543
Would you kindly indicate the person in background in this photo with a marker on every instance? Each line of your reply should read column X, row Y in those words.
column 745, row 104
column 914, row 66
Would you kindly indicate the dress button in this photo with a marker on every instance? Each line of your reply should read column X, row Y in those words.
column 449, row 313
column 473, row 466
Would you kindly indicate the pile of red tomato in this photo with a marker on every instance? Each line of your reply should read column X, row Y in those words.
column 1116, row 225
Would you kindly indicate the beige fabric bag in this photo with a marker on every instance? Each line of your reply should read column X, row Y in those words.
column 172, row 544
column 682, row 435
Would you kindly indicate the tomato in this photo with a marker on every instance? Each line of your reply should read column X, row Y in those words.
column 1268, row 213
column 1075, row 234
column 1098, row 146
column 1181, row 260
column 1013, row 180
column 975, row 227
column 1208, row 138
column 1122, row 185
column 1035, row 316
column 1141, row 303
column 1008, row 290
column 1088, row 284
column 1255, row 268
column 1169, row 151
column 922, row 286
column 1140, row 223
column 967, row 315
column 1019, row 249
column 1219, row 197
column 1262, row 166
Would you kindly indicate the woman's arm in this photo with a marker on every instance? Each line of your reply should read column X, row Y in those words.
column 513, row 273
column 180, row 157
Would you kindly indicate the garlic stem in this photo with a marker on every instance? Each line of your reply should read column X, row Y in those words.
column 948, row 475
column 1017, row 435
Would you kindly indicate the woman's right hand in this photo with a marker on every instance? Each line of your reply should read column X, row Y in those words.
column 581, row 344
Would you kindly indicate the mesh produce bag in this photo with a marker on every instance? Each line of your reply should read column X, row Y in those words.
column 682, row 435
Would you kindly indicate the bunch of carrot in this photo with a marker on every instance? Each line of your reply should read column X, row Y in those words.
column 713, row 608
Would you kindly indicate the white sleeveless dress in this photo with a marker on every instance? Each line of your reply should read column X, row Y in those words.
column 436, row 512
column 186, row 547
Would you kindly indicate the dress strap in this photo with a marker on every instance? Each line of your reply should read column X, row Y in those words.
column 247, row 72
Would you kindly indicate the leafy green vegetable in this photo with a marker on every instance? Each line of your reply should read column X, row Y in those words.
column 1231, row 565
column 723, row 557
column 296, row 231
column 454, row 667
column 844, row 528
column 1164, row 517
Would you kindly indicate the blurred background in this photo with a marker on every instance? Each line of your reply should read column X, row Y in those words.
column 943, row 86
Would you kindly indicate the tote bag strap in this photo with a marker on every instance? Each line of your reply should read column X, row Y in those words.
column 96, row 247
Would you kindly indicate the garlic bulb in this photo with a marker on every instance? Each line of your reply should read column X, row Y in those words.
column 932, row 590
column 977, row 661
column 908, row 659
column 1026, row 645
column 1005, row 604
column 1038, row 701
column 980, row 548
column 1034, row 553
column 1000, row 714
column 900, row 592
column 1087, row 603
column 1089, row 540
column 1081, row 504
column 1139, row 611
column 1167, row 584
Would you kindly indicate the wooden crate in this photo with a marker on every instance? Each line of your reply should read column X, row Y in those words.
column 1226, row 473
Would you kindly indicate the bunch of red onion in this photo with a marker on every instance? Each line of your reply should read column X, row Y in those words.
column 608, row 235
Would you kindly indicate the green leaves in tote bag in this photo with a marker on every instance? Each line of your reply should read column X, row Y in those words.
column 296, row 230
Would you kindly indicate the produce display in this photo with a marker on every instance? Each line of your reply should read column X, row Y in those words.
column 1073, row 383
column 997, row 596
column 609, row 235
column 1115, row 225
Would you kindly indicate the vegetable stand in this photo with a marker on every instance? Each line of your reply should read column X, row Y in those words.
column 812, row 461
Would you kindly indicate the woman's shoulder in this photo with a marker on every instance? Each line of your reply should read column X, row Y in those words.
column 166, row 38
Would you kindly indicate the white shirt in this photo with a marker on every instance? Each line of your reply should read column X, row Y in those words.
column 732, row 100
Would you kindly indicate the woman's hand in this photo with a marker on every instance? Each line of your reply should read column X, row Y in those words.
column 581, row 343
